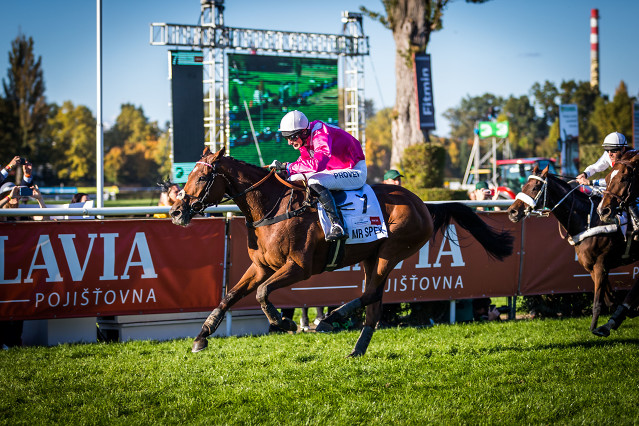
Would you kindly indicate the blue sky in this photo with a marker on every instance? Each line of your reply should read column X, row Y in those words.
column 501, row 47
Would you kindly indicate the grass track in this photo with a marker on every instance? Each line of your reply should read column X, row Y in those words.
column 520, row 372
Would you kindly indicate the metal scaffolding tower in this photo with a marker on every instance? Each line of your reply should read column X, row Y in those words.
column 353, row 66
column 214, row 38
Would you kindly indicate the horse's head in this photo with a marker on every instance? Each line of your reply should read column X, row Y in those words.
column 205, row 187
column 527, row 199
column 622, row 186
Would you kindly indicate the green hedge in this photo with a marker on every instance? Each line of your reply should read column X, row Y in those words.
column 423, row 165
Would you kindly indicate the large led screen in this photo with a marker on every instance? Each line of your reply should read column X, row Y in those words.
column 262, row 89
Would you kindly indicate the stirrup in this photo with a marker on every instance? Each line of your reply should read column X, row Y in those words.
column 336, row 233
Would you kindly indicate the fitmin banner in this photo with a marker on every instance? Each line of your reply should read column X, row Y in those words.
column 113, row 267
column 444, row 269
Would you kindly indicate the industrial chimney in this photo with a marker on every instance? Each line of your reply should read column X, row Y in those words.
column 594, row 47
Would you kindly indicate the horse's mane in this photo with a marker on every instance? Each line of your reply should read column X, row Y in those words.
column 630, row 156
column 241, row 163
column 580, row 196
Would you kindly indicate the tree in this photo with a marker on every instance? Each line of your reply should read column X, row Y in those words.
column 24, row 93
column 527, row 130
column 8, row 128
column 584, row 96
column 546, row 98
column 72, row 133
column 378, row 144
column 614, row 116
column 411, row 22
column 463, row 121
column 132, row 148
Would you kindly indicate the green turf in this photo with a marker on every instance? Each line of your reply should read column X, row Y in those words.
column 519, row 372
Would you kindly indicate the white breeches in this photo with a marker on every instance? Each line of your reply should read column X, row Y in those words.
column 353, row 178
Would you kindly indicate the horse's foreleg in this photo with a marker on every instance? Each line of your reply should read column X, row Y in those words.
column 600, row 279
column 252, row 277
column 288, row 274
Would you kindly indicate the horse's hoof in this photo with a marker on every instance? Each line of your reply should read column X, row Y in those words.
column 355, row 354
column 288, row 324
column 199, row 345
column 323, row 327
column 602, row 331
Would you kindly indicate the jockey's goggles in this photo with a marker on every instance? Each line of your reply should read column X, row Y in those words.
column 614, row 150
column 292, row 136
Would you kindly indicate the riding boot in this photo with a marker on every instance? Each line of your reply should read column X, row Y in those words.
column 633, row 208
column 328, row 202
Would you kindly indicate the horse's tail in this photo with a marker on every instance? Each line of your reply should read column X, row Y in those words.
column 497, row 244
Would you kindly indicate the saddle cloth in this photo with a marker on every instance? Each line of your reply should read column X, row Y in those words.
column 362, row 215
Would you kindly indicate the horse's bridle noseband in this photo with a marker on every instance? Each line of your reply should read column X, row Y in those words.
column 531, row 203
column 198, row 206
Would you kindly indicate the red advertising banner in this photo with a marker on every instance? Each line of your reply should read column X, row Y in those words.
column 114, row 267
column 550, row 263
column 443, row 269
column 125, row 267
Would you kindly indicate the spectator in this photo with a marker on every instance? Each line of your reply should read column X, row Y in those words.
column 393, row 177
column 482, row 192
column 80, row 197
column 26, row 170
column 484, row 311
column 467, row 310
column 10, row 199
column 11, row 331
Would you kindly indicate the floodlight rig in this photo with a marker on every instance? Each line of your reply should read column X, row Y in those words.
column 214, row 38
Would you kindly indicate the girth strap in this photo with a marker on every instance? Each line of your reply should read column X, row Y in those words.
column 279, row 218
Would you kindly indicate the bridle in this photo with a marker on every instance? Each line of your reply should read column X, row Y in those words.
column 531, row 203
column 198, row 206
column 624, row 202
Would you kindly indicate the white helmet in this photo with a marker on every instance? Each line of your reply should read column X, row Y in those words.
column 292, row 123
column 615, row 140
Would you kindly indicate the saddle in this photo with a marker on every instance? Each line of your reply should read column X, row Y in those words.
column 362, row 217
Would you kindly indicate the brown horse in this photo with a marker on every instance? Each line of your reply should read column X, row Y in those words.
column 291, row 246
column 598, row 253
column 622, row 189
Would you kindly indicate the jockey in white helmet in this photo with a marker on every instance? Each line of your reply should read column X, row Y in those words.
column 330, row 158
column 615, row 146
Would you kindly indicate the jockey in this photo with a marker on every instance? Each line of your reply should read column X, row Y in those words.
column 330, row 158
column 616, row 146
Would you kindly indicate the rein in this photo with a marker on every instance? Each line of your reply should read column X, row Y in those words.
column 532, row 203
column 198, row 206
column 289, row 213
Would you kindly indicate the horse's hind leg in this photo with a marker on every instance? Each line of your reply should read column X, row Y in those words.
column 252, row 277
column 625, row 309
column 376, row 272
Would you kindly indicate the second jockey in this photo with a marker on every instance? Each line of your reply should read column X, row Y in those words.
column 330, row 158
column 615, row 145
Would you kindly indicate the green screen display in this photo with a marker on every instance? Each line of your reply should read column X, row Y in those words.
column 269, row 87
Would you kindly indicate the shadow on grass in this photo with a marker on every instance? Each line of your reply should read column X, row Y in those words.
column 592, row 344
